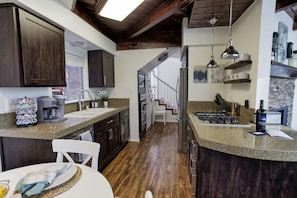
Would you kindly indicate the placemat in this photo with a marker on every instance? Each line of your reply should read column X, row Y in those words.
column 50, row 193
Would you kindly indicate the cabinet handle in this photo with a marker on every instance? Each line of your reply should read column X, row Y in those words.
column 110, row 121
column 110, row 134
column 104, row 80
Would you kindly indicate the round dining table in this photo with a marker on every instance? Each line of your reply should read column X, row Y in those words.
column 91, row 183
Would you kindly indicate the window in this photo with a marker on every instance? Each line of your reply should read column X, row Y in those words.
column 74, row 82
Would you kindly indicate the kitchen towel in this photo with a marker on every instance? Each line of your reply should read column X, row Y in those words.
column 85, row 136
column 34, row 182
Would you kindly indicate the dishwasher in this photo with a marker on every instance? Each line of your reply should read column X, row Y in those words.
column 86, row 134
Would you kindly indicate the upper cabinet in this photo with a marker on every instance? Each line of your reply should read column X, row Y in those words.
column 33, row 51
column 101, row 69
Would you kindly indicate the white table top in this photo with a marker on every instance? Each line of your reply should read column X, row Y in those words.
column 91, row 183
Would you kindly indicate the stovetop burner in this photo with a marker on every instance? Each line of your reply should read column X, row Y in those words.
column 216, row 118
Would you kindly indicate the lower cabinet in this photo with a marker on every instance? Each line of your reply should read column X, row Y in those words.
column 192, row 158
column 125, row 129
column 107, row 133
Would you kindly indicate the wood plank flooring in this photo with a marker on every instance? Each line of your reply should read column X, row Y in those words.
column 153, row 164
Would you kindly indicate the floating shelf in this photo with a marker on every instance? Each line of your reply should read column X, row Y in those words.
column 238, row 64
column 238, row 81
column 280, row 70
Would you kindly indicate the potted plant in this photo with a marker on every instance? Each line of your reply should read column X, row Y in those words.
column 105, row 100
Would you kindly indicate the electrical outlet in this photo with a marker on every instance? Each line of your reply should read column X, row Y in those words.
column 11, row 105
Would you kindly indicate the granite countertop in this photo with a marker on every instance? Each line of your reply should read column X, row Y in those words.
column 237, row 141
column 49, row 131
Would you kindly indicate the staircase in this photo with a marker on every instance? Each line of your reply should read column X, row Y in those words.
column 163, row 94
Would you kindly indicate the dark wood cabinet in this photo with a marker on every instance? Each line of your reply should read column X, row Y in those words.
column 33, row 51
column 125, row 129
column 101, row 69
column 107, row 133
column 16, row 152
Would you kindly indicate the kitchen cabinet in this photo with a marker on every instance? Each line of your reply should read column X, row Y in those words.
column 192, row 158
column 107, row 133
column 16, row 152
column 101, row 69
column 125, row 129
column 236, row 65
column 33, row 51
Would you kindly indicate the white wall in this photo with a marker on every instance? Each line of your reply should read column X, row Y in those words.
column 168, row 71
column 127, row 63
column 199, row 41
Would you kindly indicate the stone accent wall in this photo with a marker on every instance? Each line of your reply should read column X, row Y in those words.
column 281, row 94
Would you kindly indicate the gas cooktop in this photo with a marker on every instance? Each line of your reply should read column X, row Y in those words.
column 219, row 119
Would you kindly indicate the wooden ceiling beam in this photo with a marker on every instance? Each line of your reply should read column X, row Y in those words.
column 165, row 10
column 284, row 4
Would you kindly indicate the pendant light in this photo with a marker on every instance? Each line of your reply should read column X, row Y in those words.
column 212, row 63
column 230, row 52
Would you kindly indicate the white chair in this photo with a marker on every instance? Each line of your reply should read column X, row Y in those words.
column 162, row 113
column 65, row 146
column 148, row 194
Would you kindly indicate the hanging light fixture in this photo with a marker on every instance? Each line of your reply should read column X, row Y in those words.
column 212, row 63
column 230, row 52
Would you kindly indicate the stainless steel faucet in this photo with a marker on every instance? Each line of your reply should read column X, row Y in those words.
column 79, row 97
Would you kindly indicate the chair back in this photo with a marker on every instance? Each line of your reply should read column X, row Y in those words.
column 65, row 146
column 148, row 194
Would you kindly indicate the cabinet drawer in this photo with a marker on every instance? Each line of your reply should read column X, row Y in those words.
column 107, row 122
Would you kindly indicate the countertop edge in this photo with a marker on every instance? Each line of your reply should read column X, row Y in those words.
column 271, row 155
column 50, row 131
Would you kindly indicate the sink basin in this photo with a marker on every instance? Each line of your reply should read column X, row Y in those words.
column 88, row 113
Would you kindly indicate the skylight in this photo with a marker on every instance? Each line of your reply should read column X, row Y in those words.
column 119, row 9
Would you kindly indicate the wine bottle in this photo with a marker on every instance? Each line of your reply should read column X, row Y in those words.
column 261, row 118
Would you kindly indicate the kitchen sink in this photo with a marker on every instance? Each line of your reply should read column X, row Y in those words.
column 88, row 113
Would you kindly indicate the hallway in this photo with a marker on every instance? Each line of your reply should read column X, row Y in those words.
column 153, row 164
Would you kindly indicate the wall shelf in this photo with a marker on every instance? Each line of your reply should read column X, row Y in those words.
column 237, row 81
column 238, row 64
column 280, row 70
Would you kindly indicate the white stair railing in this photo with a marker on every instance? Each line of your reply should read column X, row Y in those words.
column 163, row 92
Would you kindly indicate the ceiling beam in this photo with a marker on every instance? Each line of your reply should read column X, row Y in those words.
column 284, row 4
column 165, row 10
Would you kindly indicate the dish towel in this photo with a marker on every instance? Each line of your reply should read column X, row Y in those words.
column 86, row 136
column 34, row 182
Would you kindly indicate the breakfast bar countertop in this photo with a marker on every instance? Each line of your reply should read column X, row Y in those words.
column 49, row 131
column 238, row 141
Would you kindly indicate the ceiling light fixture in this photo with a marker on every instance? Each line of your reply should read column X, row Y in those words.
column 212, row 63
column 119, row 9
column 230, row 52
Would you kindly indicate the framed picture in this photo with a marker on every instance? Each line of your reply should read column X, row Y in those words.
column 217, row 74
column 200, row 74
column 282, row 42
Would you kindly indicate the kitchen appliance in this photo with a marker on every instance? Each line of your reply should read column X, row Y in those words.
column 219, row 119
column 51, row 109
column 182, row 99
column 25, row 112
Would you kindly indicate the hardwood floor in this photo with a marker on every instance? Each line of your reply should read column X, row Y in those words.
column 153, row 164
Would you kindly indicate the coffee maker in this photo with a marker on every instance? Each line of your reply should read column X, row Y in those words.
column 51, row 109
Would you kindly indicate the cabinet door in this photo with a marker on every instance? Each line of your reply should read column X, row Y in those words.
column 102, row 138
column 114, row 139
column 108, row 70
column 43, row 54
column 101, row 69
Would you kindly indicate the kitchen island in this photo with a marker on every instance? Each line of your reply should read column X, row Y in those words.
column 231, row 162
column 31, row 145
